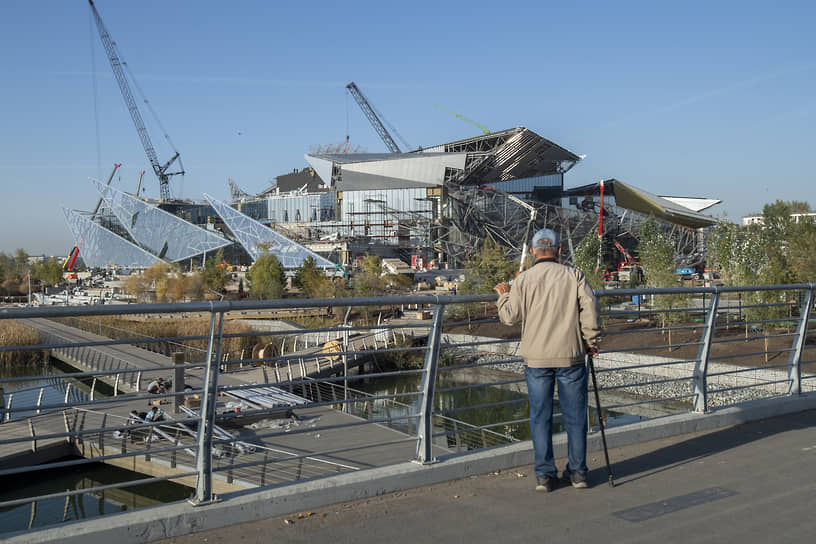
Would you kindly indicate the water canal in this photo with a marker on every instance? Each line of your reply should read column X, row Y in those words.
column 46, row 512
column 499, row 403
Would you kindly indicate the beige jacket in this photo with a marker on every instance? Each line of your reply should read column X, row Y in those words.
column 558, row 312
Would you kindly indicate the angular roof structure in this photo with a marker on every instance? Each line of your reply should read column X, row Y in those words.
column 639, row 200
column 499, row 156
column 254, row 236
column 100, row 247
column 160, row 232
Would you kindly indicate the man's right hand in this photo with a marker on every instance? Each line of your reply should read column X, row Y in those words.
column 502, row 288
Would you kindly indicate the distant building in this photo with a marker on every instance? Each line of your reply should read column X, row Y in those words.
column 759, row 219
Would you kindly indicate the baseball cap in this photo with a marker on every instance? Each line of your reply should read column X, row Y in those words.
column 546, row 238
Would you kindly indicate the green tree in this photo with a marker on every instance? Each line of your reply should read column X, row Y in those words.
column 659, row 266
column 266, row 277
column 48, row 272
column 486, row 268
column 215, row 272
column 372, row 265
column 20, row 264
column 586, row 260
column 5, row 267
column 312, row 280
column 802, row 257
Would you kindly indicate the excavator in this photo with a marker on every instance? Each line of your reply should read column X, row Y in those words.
column 628, row 266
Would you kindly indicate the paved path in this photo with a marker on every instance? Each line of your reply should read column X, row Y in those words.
column 754, row 482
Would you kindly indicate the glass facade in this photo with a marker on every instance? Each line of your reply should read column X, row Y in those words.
column 254, row 237
column 100, row 248
column 162, row 233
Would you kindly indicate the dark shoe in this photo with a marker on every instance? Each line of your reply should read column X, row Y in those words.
column 545, row 483
column 577, row 479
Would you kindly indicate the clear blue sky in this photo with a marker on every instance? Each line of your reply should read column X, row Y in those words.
column 710, row 99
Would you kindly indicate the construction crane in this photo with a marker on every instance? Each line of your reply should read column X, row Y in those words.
column 465, row 119
column 117, row 65
column 372, row 117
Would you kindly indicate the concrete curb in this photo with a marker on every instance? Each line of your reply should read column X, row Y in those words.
column 178, row 519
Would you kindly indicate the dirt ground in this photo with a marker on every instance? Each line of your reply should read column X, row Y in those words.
column 731, row 344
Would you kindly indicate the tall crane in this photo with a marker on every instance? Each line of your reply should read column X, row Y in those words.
column 372, row 117
column 116, row 64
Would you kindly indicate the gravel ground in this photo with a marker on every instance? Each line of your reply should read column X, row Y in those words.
column 633, row 383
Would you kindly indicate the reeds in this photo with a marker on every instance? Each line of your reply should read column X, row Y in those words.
column 151, row 327
column 14, row 333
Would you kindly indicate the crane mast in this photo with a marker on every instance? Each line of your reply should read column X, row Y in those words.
column 372, row 117
column 119, row 73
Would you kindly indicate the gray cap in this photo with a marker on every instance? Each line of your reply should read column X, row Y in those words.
column 546, row 238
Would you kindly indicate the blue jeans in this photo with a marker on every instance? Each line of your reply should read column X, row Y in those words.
column 572, row 396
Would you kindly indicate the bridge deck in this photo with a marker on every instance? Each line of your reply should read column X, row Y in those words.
column 748, row 483
column 276, row 449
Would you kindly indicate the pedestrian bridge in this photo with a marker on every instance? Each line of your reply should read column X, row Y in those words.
column 248, row 460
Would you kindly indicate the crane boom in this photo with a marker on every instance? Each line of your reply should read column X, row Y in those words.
column 99, row 202
column 121, row 79
column 372, row 117
column 465, row 119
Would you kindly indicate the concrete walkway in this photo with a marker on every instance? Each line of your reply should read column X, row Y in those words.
column 754, row 482
column 745, row 473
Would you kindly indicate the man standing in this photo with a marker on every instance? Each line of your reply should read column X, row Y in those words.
column 560, row 325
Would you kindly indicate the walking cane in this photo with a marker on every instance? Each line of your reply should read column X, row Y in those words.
column 600, row 419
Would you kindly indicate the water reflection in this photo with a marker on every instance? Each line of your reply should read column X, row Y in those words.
column 48, row 385
column 499, row 412
column 82, row 506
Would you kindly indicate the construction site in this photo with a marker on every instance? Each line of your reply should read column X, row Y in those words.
column 430, row 207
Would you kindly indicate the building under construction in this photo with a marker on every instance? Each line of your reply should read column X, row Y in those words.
column 430, row 206
column 435, row 205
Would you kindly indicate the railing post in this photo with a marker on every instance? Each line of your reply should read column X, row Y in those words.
column 425, row 428
column 204, row 494
column 795, row 361
column 33, row 436
column 701, row 365
column 178, row 380
column 39, row 399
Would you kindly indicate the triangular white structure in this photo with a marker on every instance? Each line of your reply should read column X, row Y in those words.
column 100, row 247
column 252, row 235
column 161, row 232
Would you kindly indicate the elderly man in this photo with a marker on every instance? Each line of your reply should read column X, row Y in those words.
column 560, row 325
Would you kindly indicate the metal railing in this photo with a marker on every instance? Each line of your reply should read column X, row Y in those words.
column 310, row 403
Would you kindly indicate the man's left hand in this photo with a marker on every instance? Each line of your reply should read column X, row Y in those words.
column 593, row 350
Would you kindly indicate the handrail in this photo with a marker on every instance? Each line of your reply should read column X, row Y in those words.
column 629, row 374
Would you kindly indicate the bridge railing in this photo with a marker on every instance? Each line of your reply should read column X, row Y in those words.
column 410, row 378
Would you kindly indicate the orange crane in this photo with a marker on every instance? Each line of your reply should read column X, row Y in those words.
column 628, row 258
